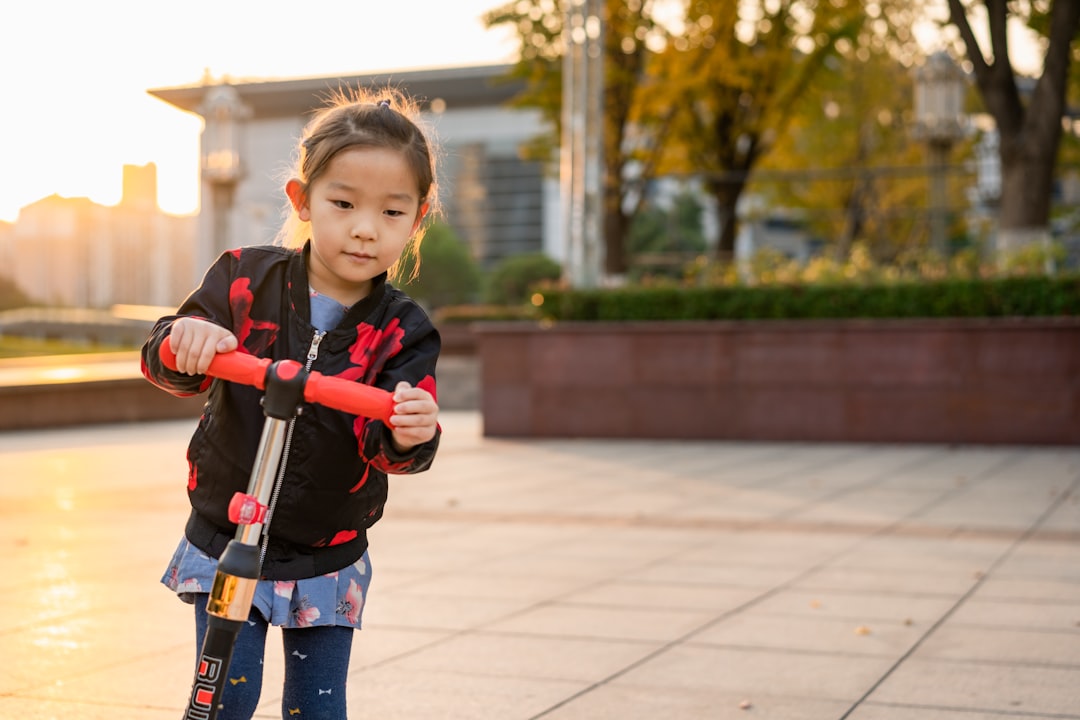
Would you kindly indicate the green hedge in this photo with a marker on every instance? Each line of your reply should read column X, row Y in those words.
column 997, row 297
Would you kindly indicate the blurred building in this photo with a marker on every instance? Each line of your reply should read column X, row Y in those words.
column 73, row 252
column 499, row 204
column 7, row 248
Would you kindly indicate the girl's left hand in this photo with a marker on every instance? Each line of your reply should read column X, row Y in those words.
column 416, row 415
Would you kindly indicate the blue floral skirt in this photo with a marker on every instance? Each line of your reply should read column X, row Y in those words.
column 333, row 599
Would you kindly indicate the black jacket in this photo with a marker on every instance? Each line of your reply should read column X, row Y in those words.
column 335, row 483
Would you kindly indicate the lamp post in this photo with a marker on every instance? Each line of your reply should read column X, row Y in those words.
column 939, row 122
column 581, row 164
column 221, row 168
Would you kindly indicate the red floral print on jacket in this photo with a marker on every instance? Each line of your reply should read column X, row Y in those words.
column 255, row 336
column 373, row 347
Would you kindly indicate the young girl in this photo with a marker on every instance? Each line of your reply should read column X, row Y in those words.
column 365, row 182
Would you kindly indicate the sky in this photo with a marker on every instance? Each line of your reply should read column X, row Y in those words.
column 74, row 75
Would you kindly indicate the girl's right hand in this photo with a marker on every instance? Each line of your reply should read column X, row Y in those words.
column 196, row 342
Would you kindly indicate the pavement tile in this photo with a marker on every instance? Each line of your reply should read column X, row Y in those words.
column 435, row 612
column 110, row 706
column 529, row 656
column 564, row 565
column 53, row 652
column 887, row 580
column 434, row 554
column 804, row 633
column 630, row 594
column 983, row 687
column 1031, row 647
column 609, row 623
column 457, row 535
column 1065, row 517
column 1028, row 589
column 635, row 703
column 760, row 577
column 647, row 501
column 858, row 607
column 649, row 544
column 914, row 711
column 786, row 461
column 764, row 547
column 390, row 691
column 374, row 646
column 750, row 673
column 751, row 504
column 524, row 590
column 1008, row 615
column 928, row 555
column 158, row 678
column 980, row 513
column 873, row 507
column 1045, row 560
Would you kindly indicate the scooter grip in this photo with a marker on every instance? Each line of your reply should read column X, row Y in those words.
column 350, row 396
column 234, row 366
column 333, row 392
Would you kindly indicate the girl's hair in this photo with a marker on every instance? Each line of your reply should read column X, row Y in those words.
column 365, row 118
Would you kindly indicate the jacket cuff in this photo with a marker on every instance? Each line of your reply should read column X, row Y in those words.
column 413, row 453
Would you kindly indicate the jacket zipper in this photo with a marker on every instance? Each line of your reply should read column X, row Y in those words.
column 313, row 351
column 312, row 355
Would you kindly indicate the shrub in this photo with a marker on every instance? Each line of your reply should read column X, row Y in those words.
column 512, row 280
column 448, row 274
column 1033, row 295
column 477, row 313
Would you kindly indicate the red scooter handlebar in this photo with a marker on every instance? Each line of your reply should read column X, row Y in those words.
column 346, row 395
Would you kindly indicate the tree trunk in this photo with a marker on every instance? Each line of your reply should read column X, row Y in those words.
column 1027, row 175
column 1026, row 188
column 726, row 193
column 1027, row 185
column 616, row 227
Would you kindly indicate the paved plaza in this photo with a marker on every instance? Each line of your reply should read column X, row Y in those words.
column 586, row 580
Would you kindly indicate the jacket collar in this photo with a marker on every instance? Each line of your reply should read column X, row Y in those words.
column 300, row 300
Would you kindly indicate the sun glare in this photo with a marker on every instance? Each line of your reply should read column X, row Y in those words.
column 79, row 81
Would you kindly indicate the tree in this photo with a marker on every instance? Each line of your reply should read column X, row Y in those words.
column 11, row 295
column 847, row 162
column 1030, row 133
column 674, row 229
column 629, row 29
column 730, row 82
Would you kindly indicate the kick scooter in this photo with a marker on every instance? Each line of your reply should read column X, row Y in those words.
column 286, row 385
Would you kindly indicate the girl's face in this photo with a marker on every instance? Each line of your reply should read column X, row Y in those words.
column 363, row 209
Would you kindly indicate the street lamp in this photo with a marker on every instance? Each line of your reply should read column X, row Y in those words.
column 939, row 122
column 224, row 113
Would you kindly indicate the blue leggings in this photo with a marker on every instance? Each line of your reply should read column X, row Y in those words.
column 316, row 668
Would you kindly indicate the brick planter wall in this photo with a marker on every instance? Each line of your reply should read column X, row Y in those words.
column 937, row 381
